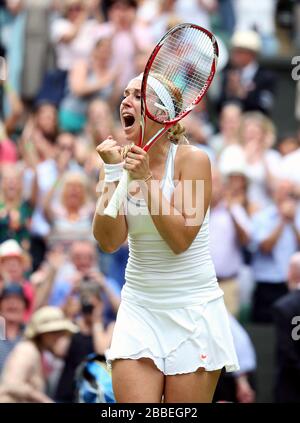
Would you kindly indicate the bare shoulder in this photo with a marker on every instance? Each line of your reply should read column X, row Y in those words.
column 27, row 349
column 20, row 361
column 193, row 161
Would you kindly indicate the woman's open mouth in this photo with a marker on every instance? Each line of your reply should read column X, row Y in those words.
column 128, row 120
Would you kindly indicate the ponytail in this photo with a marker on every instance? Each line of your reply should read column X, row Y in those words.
column 176, row 134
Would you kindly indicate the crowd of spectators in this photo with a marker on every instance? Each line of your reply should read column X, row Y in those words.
column 68, row 62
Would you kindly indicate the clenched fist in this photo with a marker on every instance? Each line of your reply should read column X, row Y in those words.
column 109, row 151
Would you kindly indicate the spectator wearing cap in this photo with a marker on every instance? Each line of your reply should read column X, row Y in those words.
column 275, row 238
column 230, row 226
column 14, row 262
column 13, row 304
column 23, row 376
column 286, row 312
column 245, row 80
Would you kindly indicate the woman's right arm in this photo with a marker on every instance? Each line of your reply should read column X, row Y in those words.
column 109, row 233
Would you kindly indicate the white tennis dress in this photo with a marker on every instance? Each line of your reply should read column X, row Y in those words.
column 172, row 309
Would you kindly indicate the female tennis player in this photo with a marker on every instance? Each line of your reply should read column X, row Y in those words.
column 172, row 335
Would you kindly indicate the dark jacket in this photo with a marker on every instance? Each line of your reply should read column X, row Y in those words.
column 287, row 384
column 260, row 96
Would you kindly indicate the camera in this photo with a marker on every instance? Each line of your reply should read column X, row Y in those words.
column 86, row 307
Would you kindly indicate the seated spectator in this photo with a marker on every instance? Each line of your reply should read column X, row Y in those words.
column 71, row 215
column 14, row 262
column 15, row 210
column 23, row 376
column 88, row 80
column 245, row 81
column 13, row 304
column 275, row 237
column 286, row 312
column 92, row 337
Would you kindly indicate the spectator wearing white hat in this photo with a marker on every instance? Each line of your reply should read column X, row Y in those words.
column 14, row 262
column 23, row 377
column 261, row 16
column 245, row 80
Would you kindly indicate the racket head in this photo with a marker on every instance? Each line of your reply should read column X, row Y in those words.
column 178, row 73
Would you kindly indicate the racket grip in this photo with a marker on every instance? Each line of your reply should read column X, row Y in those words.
column 118, row 196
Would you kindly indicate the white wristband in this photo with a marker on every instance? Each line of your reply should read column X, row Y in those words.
column 113, row 172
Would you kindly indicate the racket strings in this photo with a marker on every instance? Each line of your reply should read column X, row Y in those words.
column 183, row 66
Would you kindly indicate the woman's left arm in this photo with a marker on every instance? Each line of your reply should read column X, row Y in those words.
column 179, row 222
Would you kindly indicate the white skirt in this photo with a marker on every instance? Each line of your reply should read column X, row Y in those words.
column 177, row 340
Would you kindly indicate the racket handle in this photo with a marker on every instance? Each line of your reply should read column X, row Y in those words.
column 118, row 196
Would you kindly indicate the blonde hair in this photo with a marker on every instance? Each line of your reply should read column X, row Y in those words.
column 267, row 127
column 176, row 134
column 71, row 177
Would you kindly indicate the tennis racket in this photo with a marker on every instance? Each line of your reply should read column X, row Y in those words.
column 177, row 75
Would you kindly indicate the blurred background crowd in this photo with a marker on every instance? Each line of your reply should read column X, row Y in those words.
column 68, row 62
